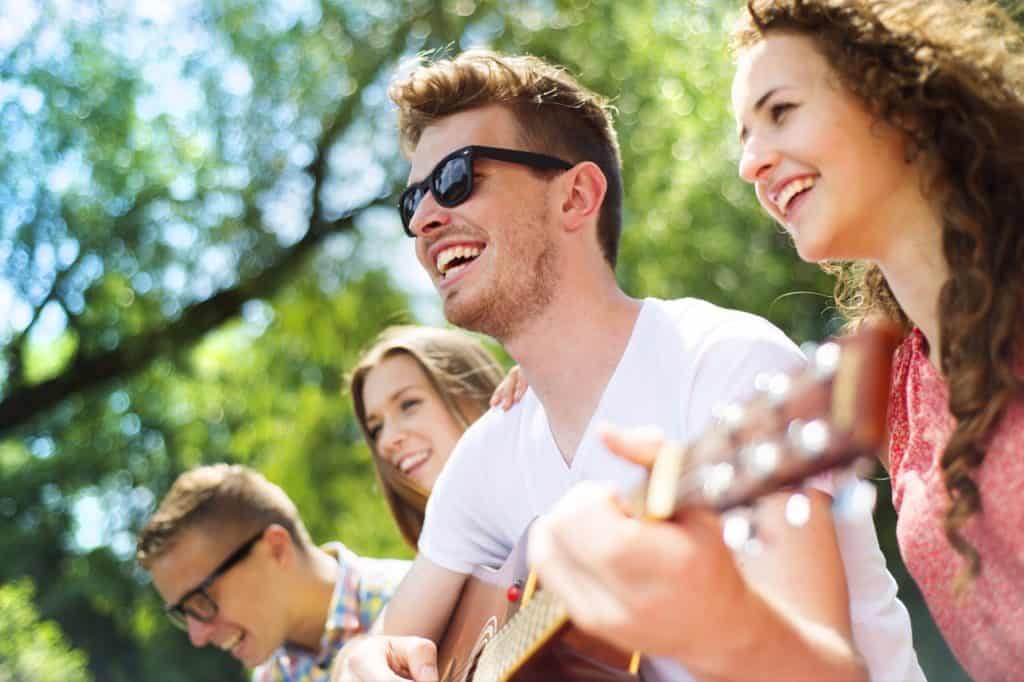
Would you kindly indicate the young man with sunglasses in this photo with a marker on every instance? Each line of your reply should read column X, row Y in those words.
column 515, row 203
column 233, row 561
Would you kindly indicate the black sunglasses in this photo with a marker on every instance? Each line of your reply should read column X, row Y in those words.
column 451, row 181
column 197, row 602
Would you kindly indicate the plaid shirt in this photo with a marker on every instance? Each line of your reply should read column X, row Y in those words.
column 364, row 587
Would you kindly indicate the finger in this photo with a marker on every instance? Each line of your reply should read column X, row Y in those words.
column 515, row 386
column 639, row 445
column 418, row 656
column 511, row 386
column 521, row 387
column 593, row 604
column 358, row 670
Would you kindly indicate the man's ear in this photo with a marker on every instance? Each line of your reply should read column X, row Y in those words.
column 585, row 186
column 279, row 542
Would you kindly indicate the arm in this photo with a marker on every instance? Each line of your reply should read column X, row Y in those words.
column 675, row 589
column 403, row 643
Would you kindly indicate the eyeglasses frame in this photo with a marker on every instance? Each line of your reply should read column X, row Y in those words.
column 472, row 152
column 178, row 613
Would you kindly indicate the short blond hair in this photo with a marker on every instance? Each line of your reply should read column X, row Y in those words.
column 221, row 498
column 556, row 115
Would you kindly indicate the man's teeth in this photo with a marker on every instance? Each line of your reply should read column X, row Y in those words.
column 407, row 463
column 791, row 190
column 445, row 258
column 233, row 642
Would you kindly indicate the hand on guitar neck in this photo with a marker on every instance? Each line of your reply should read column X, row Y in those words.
column 676, row 589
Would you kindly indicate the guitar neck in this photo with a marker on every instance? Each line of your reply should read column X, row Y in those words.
column 796, row 426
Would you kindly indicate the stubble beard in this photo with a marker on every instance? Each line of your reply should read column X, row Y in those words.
column 520, row 292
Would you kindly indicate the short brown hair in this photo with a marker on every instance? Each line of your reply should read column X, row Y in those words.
column 556, row 115
column 228, row 498
column 461, row 371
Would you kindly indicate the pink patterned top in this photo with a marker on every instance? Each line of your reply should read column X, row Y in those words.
column 985, row 626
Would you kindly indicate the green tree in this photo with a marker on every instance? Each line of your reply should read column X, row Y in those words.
column 197, row 236
column 31, row 649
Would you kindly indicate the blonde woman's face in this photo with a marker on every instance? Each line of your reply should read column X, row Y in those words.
column 408, row 423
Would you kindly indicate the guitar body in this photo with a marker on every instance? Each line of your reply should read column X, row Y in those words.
column 484, row 609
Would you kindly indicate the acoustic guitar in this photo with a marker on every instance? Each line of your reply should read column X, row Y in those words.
column 797, row 425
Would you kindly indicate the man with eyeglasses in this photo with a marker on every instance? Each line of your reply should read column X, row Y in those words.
column 229, row 554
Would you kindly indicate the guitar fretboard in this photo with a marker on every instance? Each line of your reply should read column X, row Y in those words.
column 525, row 632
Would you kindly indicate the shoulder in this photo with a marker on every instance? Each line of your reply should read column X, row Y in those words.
column 374, row 570
column 701, row 323
column 712, row 334
column 268, row 671
column 493, row 436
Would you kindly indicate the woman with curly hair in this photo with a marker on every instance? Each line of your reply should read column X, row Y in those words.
column 415, row 390
column 887, row 137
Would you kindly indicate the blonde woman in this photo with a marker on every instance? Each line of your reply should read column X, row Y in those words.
column 415, row 391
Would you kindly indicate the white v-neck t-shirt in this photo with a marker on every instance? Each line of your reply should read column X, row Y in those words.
column 684, row 358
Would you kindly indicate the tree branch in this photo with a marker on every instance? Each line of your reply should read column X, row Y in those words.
column 136, row 352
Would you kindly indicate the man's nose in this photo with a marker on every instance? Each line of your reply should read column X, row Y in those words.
column 429, row 216
column 199, row 633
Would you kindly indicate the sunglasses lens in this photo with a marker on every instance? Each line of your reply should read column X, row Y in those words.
column 411, row 199
column 452, row 181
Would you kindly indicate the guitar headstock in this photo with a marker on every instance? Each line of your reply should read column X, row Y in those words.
column 797, row 425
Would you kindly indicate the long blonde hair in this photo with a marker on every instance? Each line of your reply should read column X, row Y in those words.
column 462, row 373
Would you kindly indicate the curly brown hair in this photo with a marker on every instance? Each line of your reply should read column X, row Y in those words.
column 556, row 115
column 950, row 75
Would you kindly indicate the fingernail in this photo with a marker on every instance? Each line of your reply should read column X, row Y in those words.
column 427, row 673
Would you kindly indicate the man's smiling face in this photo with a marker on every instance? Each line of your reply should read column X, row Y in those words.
column 250, row 623
column 493, row 257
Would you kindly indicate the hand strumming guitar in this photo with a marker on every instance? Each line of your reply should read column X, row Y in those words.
column 379, row 658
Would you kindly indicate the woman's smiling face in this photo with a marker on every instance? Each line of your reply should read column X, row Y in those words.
column 408, row 422
column 821, row 164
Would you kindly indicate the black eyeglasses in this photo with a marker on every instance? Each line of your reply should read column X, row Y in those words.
column 197, row 602
column 451, row 181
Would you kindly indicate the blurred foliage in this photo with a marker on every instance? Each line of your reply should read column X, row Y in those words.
column 31, row 649
column 197, row 237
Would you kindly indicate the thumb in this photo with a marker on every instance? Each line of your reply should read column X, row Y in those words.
column 421, row 659
column 639, row 445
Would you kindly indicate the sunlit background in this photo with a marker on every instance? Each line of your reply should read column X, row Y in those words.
column 197, row 236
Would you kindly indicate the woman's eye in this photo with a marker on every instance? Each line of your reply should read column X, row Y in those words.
column 779, row 110
column 410, row 403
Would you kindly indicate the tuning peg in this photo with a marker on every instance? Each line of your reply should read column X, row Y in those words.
column 825, row 360
column 854, row 500
column 761, row 459
column 716, row 480
column 798, row 510
column 810, row 439
column 738, row 529
column 775, row 386
column 730, row 415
